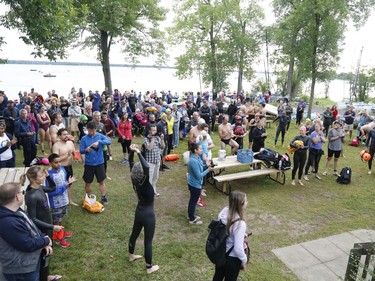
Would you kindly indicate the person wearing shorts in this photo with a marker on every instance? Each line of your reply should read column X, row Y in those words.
column 91, row 146
column 349, row 120
column 226, row 135
column 59, row 199
column 335, row 140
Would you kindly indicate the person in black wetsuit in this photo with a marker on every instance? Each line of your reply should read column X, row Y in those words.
column 370, row 144
column 38, row 208
column 144, row 213
column 300, row 154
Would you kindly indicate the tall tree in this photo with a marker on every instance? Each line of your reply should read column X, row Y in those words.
column 134, row 24
column 218, row 38
column 320, row 27
column 52, row 26
column 243, row 37
column 49, row 26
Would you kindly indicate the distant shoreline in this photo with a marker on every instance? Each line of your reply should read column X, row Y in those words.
column 85, row 64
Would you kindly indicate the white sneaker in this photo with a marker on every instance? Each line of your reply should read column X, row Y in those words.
column 306, row 178
column 369, row 172
column 152, row 269
column 293, row 182
column 196, row 222
column 324, row 173
column 110, row 158
column 300, row 182
column 133, row 257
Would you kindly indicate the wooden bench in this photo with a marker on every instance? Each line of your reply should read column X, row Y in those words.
column 226, row 179
column 269, row 120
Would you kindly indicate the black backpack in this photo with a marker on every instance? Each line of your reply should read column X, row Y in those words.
column 216, row 244
column 272, row 158
column 345, row 176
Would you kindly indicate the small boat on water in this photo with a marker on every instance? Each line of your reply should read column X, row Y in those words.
column 49, row 75
column 33, row 70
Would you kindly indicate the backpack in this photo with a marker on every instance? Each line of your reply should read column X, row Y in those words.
column 354, row 142
column 272, row 158
column 345, row 176
column 216, row 244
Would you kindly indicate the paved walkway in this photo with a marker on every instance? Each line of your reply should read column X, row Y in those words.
column 324, row 259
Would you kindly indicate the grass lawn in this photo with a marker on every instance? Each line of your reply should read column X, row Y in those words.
column 278, row 215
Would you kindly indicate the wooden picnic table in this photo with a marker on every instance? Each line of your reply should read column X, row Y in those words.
column 256, row 168
column 13, row 175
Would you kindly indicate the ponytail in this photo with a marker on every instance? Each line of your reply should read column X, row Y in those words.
column 31, row 174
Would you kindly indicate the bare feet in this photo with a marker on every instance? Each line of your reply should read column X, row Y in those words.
column 73, row 203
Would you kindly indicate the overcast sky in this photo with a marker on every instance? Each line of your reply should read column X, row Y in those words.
column 15, row 49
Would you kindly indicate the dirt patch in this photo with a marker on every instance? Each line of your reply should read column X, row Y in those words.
column 266, row 223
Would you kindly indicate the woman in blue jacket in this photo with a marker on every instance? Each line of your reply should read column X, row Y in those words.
column 196, row 172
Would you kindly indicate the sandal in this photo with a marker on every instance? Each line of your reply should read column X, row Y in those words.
column 324, row 173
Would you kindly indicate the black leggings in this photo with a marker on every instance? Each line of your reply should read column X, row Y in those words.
column 299, row 160
column 326, row 128
column 144, row 218
column 372, row 152
column 228, row 272
column 126, row 146
column 280, row 129
column 314, row 159
column 299, row 118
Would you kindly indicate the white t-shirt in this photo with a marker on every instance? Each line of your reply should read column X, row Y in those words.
column 7, row 154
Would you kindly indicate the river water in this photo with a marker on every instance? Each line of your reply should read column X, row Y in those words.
column 19, row 77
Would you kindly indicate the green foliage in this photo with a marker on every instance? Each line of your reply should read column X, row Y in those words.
column 49, row 26
column 309, row 34
column 132, row 24
column 219, row 37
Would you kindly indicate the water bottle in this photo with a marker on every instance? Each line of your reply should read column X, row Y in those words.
column 280, row 164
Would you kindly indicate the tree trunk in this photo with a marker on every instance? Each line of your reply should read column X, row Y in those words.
column 296, row 85
column 240, row 64
column 289, row 83
column 105, row 46
column 313, row 63
column 213, row 60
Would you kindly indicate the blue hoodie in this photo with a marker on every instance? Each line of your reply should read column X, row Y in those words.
column 196, row 171
column 95, row 156
column 20, row 242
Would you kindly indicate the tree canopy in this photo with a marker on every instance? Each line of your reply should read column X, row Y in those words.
column 219, row 36
column 53, row 26
column 309, row 35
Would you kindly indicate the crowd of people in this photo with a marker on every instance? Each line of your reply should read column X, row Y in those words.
column 58, row 125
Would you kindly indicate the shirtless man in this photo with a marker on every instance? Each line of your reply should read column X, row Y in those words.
column 195, row 131
column 65, row 148
column 57, row 124
column 226, row 135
